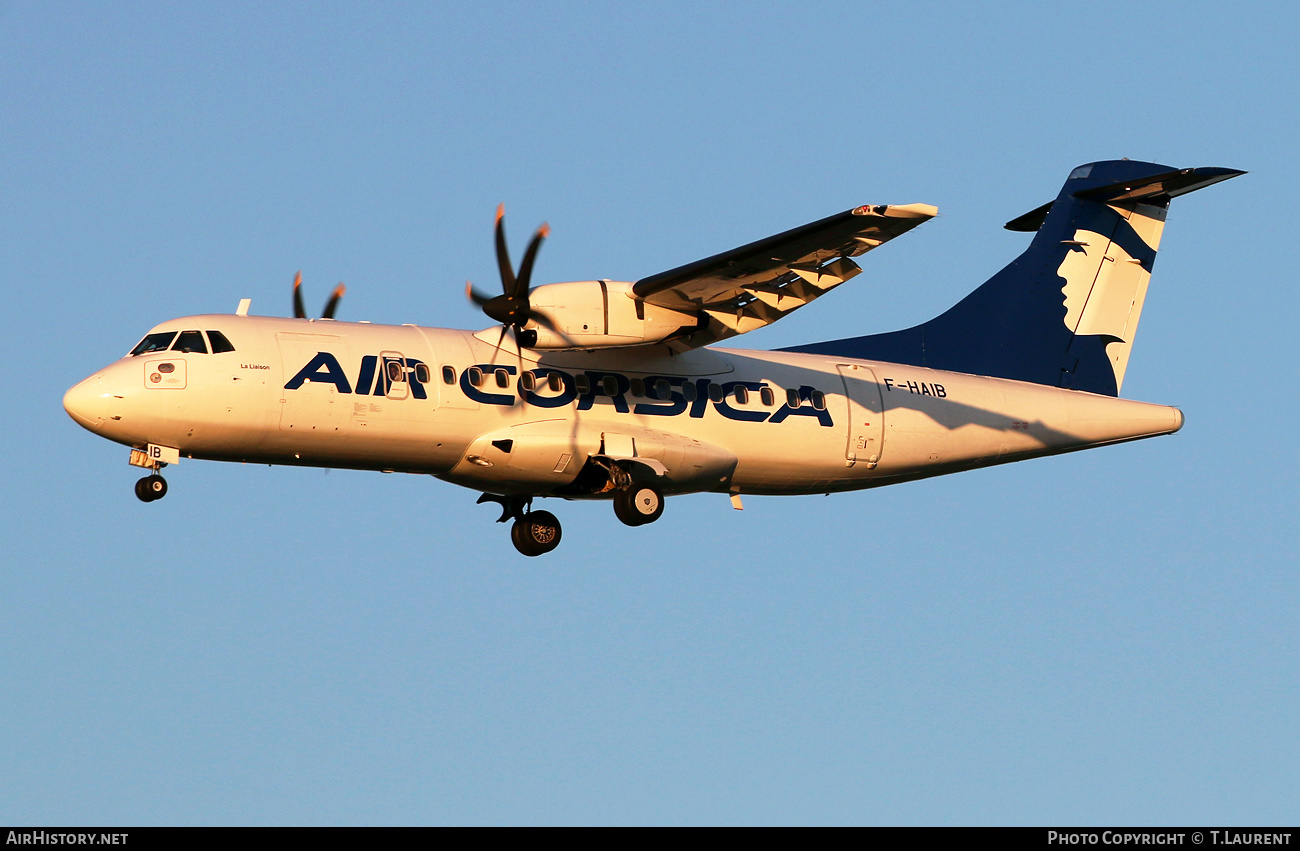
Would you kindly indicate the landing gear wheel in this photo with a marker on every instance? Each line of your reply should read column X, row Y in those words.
column 150, row 488
column 535, row 533
column 639, row 504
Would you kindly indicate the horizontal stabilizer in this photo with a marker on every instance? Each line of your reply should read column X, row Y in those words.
column 1031, row 221
column 1169, row 185
column 1155, row 188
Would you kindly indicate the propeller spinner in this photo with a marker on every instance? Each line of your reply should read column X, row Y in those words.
column 299, row 312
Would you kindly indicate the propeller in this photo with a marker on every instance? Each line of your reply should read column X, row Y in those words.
column 512, row 308
column 300, row 313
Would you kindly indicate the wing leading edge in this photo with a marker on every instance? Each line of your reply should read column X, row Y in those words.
column 755, row 285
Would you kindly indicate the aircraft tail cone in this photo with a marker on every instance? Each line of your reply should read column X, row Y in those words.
column 1099, row 419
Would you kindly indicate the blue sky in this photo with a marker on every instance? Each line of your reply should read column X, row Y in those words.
column 1106, row 637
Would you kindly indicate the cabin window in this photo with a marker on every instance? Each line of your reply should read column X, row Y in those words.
column 395, row 371
column 792, row 398
column 583, row 384
column 663, row 390
column 219, row 343
column 715, row 392
column 555, row 382
column 610, row 385
column 638, row 388
column 503, row 378
column 422, row 373
column 190, row 342
column 689, row 391
column 528, row 381
column 159, row 342
column 767, row 397
column 475, row 376
column 449, row 375
column 819, row 400
column 742, row 395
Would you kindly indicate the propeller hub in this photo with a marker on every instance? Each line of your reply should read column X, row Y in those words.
column 507, row 310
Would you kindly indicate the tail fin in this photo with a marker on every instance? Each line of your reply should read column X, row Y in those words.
column 1064, row 312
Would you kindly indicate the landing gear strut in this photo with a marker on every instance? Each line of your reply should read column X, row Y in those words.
column 533, row 533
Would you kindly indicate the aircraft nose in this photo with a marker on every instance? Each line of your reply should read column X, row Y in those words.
column 87, row 402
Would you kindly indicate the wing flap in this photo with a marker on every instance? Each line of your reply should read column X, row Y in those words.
column 757, row 284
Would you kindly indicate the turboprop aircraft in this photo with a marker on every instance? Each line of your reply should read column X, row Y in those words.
column 612, row 390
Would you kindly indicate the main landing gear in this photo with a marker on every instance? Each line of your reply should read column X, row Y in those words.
column 533, row 533
column 638, row 504
column 536, row 533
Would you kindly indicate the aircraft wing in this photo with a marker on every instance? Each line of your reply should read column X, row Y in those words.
column 755, row 285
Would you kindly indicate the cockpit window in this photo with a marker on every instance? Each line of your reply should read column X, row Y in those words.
column 190, row 341
column 219, row 342
column 154, row 343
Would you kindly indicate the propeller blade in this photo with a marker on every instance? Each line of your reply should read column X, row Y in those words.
column 333, row 303
column 503, row 256
column 500, row 339
column 475, row 296
column 298, row 311
column 526, row 267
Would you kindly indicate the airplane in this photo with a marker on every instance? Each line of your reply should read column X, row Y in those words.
column 613, row 390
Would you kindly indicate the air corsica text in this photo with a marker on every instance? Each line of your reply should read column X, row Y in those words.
column 672, row 397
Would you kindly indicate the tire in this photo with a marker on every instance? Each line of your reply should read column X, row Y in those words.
column 536, row 533
column 519, row 539
column 156, row 486
column 150, row 488
column 638, row 505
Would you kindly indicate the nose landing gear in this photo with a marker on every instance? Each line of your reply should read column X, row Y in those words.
column 152, row 458
column 150, row 488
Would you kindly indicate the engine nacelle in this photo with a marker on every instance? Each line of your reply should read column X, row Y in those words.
column 601, row 314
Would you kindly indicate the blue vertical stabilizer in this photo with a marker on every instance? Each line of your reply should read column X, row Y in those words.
column 1063, row 313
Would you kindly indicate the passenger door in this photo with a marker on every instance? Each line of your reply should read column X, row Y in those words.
column 864, row 415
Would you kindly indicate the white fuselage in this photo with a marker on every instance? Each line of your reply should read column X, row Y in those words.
column 451, row 404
